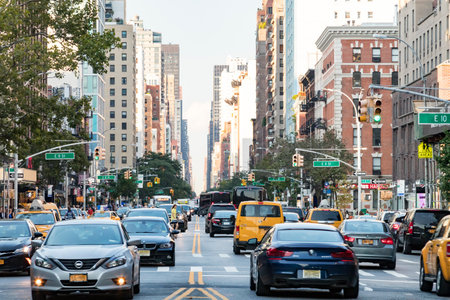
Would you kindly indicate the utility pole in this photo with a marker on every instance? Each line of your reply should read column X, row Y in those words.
column 95, row 184
column 16, row 182
column 84, row 191
column 66, row 188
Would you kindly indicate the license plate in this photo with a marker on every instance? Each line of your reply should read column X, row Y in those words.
column 311, row 274
column 2, row 262
column 226, row 223
column 367, row 242
column 78, row 278
column 144, row 252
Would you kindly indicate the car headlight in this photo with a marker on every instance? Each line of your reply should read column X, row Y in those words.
column 43, row 263
column 115, row 262
column 165, row 246
column 24, row 249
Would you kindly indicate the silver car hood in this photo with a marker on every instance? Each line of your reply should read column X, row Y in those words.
column 81, row 252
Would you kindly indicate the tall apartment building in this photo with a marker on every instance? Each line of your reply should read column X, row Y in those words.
column 185, row 150
column 423, row 25
column 121, row 105
column 170, row 64
column 153, row 133
column 352, row 60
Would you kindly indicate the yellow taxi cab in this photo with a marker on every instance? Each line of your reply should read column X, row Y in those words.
column 330, row 216
column 435, row 260
column 42, row 219
column 253, row 220
column 105, row 215
column 40, row 204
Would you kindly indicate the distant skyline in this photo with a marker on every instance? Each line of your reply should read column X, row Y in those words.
column 207, row 31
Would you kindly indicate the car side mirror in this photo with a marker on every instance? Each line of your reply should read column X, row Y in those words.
column 134, row 242
column 175, row 232
column 36, row 243
column 37, row 234
column 284, row 218
column 252, row 242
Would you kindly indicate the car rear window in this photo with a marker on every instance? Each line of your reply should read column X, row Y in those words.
column 387, row 216
column 224, row 214
column 365, row 227
column 325, row 215
column 147, row 213
column 429, row 217
column 215, row 208
column 298, row 211
column 269, row 211
column 309, row 236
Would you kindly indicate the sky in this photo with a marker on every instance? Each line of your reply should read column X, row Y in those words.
column 207, row 31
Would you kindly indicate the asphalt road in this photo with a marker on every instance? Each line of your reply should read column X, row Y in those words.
column 206, row 268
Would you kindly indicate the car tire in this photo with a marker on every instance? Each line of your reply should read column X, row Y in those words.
column 172, row 262
column 206, row 229
column 137, row 288
column 352, row 292
column 397, row 246
column 252, row 282
column 425, row 286
column 211, row 234
column 35, row 295
column 442, row 286
column 406, row 246
column 236, row 250
column 261, row 288
column 335, row 290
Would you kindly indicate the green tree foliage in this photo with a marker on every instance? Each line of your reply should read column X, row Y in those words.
column 122, row 187
column 229, row 184
column 443, row 161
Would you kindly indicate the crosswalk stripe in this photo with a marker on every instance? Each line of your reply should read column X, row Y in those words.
column 364, row 273
column 197, row 255
column 247, row 255
column 163, row 269
column 367, row 289
column 230, row 269
column 407, row 261
column 418, row 273
column 196, row 269
column 396, row 274
column 223, row 255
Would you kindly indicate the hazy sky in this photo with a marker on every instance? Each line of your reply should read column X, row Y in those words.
column 207, row 32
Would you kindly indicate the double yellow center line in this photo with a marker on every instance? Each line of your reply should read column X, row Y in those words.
column 196, row 251
column 184, row 293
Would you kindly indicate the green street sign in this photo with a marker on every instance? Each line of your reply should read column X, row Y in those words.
column 139, row 181
column 326, row 163
column 277, row 179
column 258, row 183
column 106, row 177
column 366, row 181
column 60, row 155
column 434, row 118
column 91, row 189
column 159, row 192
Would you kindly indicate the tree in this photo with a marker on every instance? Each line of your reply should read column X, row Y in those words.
column 343, row 194
column 122, row 187
column 443, row 161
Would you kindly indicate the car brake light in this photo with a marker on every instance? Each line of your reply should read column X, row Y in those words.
column 395, row 226
column 410, row 227
column 346, row 255
column 276, row 254
column 237, row 230
column 349, row 238
column 387, row 241
column 448, row 249
column 209, row 215
column 215, row 221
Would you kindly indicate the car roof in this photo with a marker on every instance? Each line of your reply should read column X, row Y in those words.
column 325, row 209
column 144, row 218
column 35, row 212
column 14, row 220
column 148, row 208
column 311, row 226
column 365, row 220
column 88, row 221
column 252, row 202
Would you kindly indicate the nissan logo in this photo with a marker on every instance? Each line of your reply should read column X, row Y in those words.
column 311, row 252
column 78, row 264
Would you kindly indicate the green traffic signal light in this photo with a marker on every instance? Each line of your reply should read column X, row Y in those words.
column 377, row 118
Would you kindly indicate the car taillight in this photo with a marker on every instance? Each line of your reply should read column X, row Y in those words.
column 346, row 255
column 349, row 238
column 410, row 227
column 237, row 230
column 395, row 226
column 215, row 221
column 387, row 241
column 276, row 254
column 448, row 249
column 209, row 215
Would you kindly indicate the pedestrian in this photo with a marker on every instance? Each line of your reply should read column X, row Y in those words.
column 174, row 216
column 11, row 214
column 2, row 214
column 90, row 211
column 346, row 214
column 69, row 214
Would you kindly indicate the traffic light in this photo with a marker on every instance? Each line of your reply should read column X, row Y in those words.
column 300, row 160
column 251, row 177
column 363, row 109
column 102, row 154
column 149, row 184
column 294, row 160
column 377, row 111
column 243, row 182
column 130, row 174
column 171, row 192
column 127, row 174
column 97, row 153
column 157, row 180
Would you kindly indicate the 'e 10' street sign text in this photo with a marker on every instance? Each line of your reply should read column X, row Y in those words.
column 434, row 118
column 58, row 156
column 277, row 179
column 326, row 163
column 106, row 177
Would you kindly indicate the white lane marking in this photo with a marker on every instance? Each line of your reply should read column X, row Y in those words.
column 231, row 269
column 418, row 273
column 364, row 273
column 367, row 289
column 224, row 255
column 247, row 255
column 363, row 284
column 396, row 274
column 392, row 281
column 163, row 269
column 231, row 276
column 407, row 261
column 197, row 255
column 196, row 269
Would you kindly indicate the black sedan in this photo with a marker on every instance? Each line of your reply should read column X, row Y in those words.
column 304, row 255
column 157, row 244
column 15, row 244
column 222, row 222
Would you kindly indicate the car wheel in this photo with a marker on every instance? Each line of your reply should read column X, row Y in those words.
column 206, row 229
column 442, row 286
column 261, row 288
column 252, row 282
column 397, row 246
column 406, row 246
column 137, row 288
column 211, row 234
column 236, row 250
column 352, row 292
column 35, row 295
column 391, row 265
column 335, row 290
column 172, row 262
column 425, row 286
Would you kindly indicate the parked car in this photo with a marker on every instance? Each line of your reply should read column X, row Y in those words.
column 385, row 215
column 371, row 241
column 303, row 256
column 291, row 217
column 15, row 244
column 222, row 222
column 417, row 228
column 182, row 218
column 328, row 216
column 394, row 224
column 435, row 260
column 94, row 256
column 296, row 210
column 212, row 209
column 157, row 243
column 148, row 212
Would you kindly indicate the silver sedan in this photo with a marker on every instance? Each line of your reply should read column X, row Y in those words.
column 95, row 256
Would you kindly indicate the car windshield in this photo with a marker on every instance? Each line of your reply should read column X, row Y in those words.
column 365, row 227
column 145, row 226
column 14, row 230
column 291, row 216
column 269, row 211
column 186, row 207
column 147, row 213
column 325, row 215
column 224, row 214
column 430, row 218
column 309, row 236
column 37, row 218
column 387, row 216
column 84, row 234
column 102, row 214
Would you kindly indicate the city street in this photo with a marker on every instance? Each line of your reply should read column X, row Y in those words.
column 207, row 268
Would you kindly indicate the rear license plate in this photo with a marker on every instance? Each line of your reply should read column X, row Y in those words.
column 367, row 242
column 144, row 252
column 226, row 223
column 2, row 262
column 78, row 278
column 308, row 274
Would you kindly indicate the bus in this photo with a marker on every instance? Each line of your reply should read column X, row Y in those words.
column 248, row 193
column 161, row 199
column 208, row 198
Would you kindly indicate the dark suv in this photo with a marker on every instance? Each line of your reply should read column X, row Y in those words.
column 212, row 209
column 417, row 228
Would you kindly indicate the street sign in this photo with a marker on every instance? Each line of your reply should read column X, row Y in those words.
column 326, row 163
column 258, row 183
column 424, row 150
column 19, row 175
column 106, row 177
column 434, row 118
column 400, row 187
column 360, row 173
column 59, row 155
column 277, row 179
column 159, row 192
column 379, row 181
column 366, row 181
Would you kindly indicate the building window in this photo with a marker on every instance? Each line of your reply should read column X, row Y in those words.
column 376, row 77
column 124, row 80
column 281, row 48
column 355, row 136
column 394, row 54
column 280, row 35
column 335, row 15
column 124, row 148
column 347, row 15
column 376, row 137
column 112, row 103
column 124, row 137
column 124, row 34
column 281, row 76
column 356, row 103
column 112, row 68
column 124, row 45
column 112, row 114
column 370, row 14
column 112, row 80
column 359, row 15
column 124, row 159
column 112, row 137
column 124, row 114
column 112, row 92
column 281, row 119
column 124, row 92
column 376, row 54
column 124, row 56
column 124, row 125
column 357, row 79
column 112, row 125
column 112, row 159
column 281, row 91
column 112, row 148
column 124, row 103
column 281, row 63
column 376, row 165
column 394, row 78
column 281, row 105
column 356, row 54
column 112, row 56
column 124, row 68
